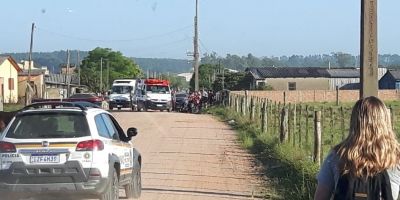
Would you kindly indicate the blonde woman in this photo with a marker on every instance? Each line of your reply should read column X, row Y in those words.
column 371, row 150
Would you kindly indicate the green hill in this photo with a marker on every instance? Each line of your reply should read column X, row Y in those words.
column 54, row 59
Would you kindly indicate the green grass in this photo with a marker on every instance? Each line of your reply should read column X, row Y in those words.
column 290, row 165
column 289, row 175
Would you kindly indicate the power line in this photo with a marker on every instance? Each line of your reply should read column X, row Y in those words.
column 204, row 46
column 121, row 40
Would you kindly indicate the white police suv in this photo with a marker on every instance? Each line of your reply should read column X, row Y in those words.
column 67, row 148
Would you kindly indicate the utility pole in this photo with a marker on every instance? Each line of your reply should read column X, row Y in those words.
column 28, row 94
column 369, row 48
column 67, row 75
column 196, row 49
column 78, row 65
column 108, row 74
column 101, row 74
column 223, row 75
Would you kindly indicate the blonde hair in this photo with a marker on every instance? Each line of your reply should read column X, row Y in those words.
column 371, row 146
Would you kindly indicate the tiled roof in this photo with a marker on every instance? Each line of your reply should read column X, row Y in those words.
column 34, row 72
column 302, row 72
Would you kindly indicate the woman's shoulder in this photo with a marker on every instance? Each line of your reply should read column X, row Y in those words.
column 332, row 157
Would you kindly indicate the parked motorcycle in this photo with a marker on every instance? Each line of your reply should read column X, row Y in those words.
column 194, row 106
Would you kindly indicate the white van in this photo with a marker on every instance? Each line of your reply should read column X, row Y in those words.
column 121, row 94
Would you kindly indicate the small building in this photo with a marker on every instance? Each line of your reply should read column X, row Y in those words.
column 303, row 78
column 9, row 70
column 306, row 78
column 57, row 85
column 37, row 82
column 391, row 80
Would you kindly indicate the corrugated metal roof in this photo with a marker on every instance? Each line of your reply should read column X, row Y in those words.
column 60, row 79
column 395, row 73
column 303, row 72
column 289, row 72
column 344, row 73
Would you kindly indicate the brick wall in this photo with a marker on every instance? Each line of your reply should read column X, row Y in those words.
column 319, row 95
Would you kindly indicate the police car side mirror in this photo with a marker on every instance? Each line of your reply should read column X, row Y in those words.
column 132, row 132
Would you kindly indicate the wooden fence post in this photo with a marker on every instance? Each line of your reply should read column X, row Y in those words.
column 242, row 106
column 332, row 125
column 237, row 104
column 246, row 101
column 317, row 137
column 307, row 126
column 300, row 122
column 294, row 124
column 284, row 125
column 342, row 122
column 289, row 122
column 264, row 125
column 391, row 116
column 251, row 108
column 337, row 95
column 284, row 97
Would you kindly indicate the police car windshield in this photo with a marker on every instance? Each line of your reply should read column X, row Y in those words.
column 158, row 89
column 48, row 125
column 121, row 89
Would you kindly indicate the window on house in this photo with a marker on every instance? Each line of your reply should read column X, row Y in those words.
column 261, row 83
column 10, row 83
column 292, row 85
column 398, row 85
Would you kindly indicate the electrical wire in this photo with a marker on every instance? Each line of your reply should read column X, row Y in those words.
column 121, row 40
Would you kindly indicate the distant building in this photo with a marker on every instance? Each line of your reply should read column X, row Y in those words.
column 71, row 69
column 391, row 80
column 57, row 85
column 9, row 70
column 37, row 82
column 187, row 76
column 305, row 78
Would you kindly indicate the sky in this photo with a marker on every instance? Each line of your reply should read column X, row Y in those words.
column 164, row 28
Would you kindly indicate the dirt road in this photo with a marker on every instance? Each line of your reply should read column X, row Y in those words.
column 187, row 156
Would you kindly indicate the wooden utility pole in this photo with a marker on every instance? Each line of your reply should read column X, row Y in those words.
column 78, row 65
column 67, row 75
column 369, row 48
column 28, row 95
column 108, row 74
column 196, row 50
column 101, row 75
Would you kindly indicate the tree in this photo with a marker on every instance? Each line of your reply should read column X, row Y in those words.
column 232, row 81
column 206, row 76
column 176, row 82
column 344, row 59
column 119, row 67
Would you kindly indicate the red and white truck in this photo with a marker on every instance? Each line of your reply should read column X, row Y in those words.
column 154, row 94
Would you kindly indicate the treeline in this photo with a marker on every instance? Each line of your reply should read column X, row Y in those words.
column 52, row 60
column 164, row 65
column 337, row 59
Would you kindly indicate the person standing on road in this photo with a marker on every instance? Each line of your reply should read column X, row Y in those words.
column 370, row 155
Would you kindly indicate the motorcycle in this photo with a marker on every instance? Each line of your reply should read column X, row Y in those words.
column 194, row 106
column 182, row 106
